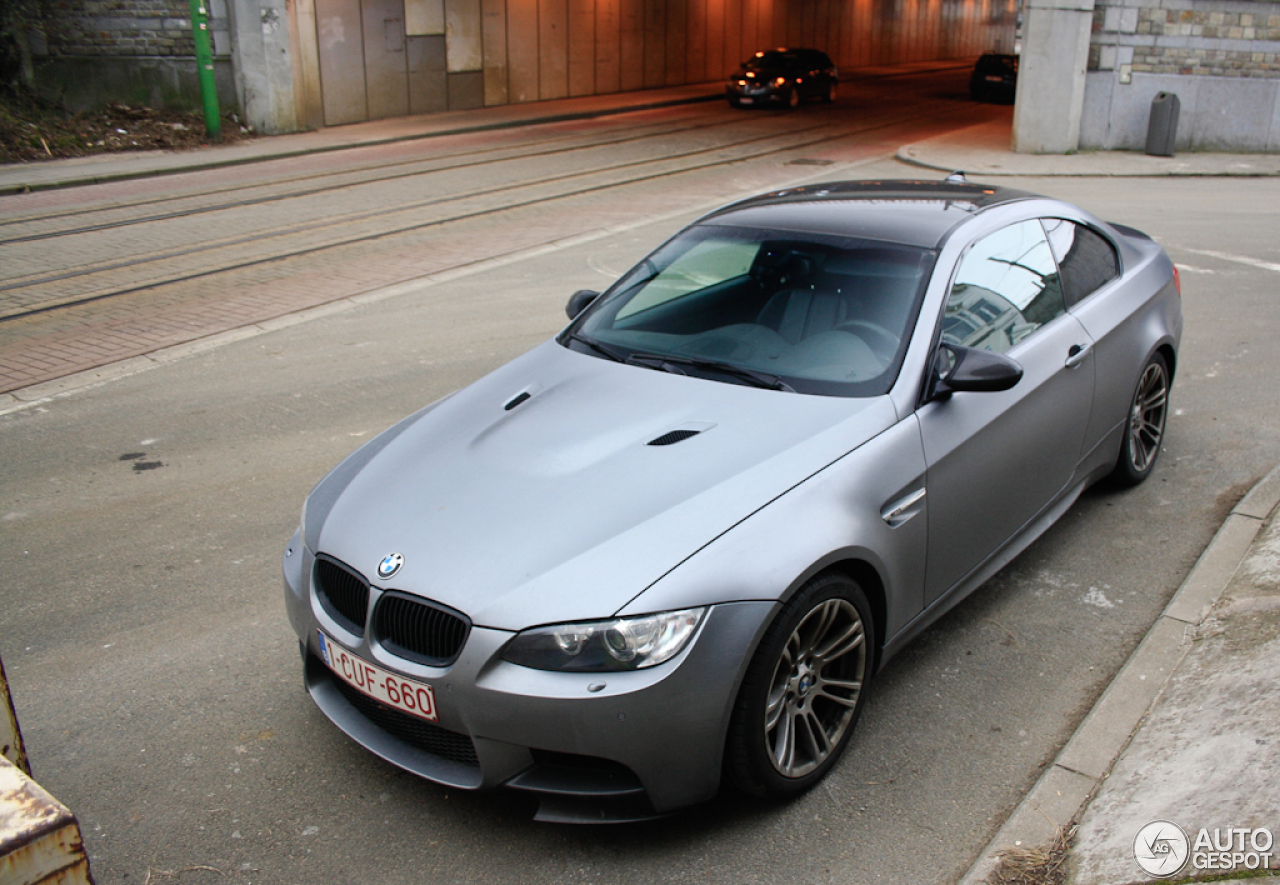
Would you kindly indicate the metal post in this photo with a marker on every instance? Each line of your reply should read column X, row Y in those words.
column 204, row 67
column 10, row 737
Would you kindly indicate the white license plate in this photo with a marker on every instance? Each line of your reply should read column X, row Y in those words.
column 407, row 695
column 746, row 101
column 991, row 78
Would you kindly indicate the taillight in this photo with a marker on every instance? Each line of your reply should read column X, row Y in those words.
column 1177, row 280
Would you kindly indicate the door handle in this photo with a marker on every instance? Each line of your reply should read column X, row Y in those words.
column 1076, row 355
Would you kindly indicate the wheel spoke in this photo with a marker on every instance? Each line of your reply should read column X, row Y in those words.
column 784, row 742
column 816, row 739
column 840, row 645
column 849, row 691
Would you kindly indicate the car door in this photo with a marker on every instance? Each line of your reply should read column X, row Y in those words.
column 996, row 460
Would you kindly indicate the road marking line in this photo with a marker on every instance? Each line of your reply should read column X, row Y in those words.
column 1238, row 259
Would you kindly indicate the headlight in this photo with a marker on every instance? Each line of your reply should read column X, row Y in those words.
column 601, row 646
column 779, row 81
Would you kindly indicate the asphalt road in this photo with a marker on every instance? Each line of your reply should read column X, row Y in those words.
column 158, row 684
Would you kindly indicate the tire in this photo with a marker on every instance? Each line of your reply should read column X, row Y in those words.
column 793, row 98
column 830, row 95
column 803, row 691
column 1145, row 423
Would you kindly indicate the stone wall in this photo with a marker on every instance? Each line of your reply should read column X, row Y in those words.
column 91, row 52
column 1220, row 57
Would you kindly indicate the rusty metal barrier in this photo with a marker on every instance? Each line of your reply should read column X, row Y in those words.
column 40, row 841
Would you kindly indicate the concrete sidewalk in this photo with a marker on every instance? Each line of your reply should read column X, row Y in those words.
column 983, row 151
column 1187, row 736
column 24, row 177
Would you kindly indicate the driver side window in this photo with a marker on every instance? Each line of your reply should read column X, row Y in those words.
column 706, row 264
column 1006, row 287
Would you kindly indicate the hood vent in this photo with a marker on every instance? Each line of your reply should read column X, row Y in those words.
column 522, row 397
column 673, row 437
column 681, row 433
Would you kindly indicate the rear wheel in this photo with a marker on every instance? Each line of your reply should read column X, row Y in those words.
column 803, row 691
column 1145, row 423
column 830, row 95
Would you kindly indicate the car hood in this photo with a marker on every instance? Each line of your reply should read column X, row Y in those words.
column 561, row 507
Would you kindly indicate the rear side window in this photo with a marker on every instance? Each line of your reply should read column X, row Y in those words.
column 1087, row 259
column 1006, row 288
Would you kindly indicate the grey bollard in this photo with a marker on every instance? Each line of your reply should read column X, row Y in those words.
column 1162, row 131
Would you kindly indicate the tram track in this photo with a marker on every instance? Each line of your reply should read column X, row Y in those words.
column 510, row 154
column 27, row 295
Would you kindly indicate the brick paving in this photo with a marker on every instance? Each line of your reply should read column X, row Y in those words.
column 60, row 342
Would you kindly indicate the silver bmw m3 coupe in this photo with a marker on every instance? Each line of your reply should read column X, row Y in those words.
column 673, row 546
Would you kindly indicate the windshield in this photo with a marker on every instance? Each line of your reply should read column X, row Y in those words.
column 817, row 314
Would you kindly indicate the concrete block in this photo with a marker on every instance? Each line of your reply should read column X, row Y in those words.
column 466, row 90
column 1117, row 714
column 1262, row 498
column 1213, row 570
column 1234, row 114
column 462, row 20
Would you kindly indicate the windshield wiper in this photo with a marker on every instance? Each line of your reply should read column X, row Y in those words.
column 671, row 363
column 607, row 352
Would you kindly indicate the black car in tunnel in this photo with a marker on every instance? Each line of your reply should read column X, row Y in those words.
column 783, row 77
column 994, row 78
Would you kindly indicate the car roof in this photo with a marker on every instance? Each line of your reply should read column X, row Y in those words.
column 913, row 213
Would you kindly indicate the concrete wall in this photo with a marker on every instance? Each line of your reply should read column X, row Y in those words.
column 1220, row 57
column 470, row 53
column 544, row 49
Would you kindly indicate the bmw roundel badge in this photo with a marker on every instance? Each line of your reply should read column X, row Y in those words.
column 390, row 565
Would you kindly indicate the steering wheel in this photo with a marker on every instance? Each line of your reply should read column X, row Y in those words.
column 881, row 341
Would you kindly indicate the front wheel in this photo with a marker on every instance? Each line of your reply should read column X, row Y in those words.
column 793, row 98
column 1145, row 423
column 803, row 690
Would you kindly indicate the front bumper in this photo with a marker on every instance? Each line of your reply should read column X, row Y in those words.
column 755, row 95
column 593, row 746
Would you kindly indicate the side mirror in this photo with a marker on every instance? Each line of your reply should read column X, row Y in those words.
column 959, row 369
column 579, row 301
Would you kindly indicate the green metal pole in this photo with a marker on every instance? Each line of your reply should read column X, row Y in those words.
column 204, row 67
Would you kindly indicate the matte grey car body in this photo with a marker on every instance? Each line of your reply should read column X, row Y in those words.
column 795, row 435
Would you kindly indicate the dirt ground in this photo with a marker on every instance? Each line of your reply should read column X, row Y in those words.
column 31, row 131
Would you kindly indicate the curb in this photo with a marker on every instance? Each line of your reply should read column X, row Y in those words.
column 205, row 164
column 1064, row 790
column 215, row 163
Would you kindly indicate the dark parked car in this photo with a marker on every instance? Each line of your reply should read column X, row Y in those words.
column 783, row 77
column 675, row 544
column 994, row 78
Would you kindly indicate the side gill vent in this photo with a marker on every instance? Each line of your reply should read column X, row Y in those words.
column 673, row 437
column 517, row 400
